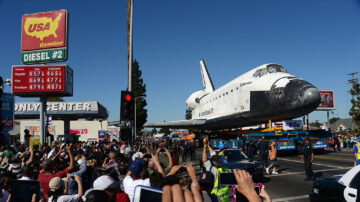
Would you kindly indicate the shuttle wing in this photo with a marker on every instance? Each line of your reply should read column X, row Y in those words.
column 195, row 123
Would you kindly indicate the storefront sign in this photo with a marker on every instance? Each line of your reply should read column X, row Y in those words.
column 79, row 131
column 34, row 141
column 44, row 37
column 56, row 107
column 35, row 130
column 327, row 101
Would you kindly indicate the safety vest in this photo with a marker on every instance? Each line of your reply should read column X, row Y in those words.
column 273, row 152
column 221, row 191
column 358, row 153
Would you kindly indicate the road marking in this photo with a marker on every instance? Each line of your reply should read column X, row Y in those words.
column 335, row 158
column 296, row 173
column 291, row 198
column 318, row 164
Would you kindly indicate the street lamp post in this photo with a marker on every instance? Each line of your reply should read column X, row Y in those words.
column 135, row 116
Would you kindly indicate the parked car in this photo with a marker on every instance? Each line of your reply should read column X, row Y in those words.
column 337, row 187
column 238, row 160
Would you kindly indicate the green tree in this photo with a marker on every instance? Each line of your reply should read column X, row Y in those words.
column 139, row 89
column 188, row 114
column 54, row 99
column 355, row 109
column 315, row 124
column 165, row 130
column 333, row 120
column 153, row 131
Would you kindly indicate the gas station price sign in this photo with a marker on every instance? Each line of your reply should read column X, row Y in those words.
column 51, row 80
column 44, row 37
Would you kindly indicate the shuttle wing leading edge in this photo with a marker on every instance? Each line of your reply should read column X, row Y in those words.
column 178, row 124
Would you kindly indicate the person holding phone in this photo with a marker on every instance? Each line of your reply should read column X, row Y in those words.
column 57, row 191
column 167, row 153
column 134, row 177
column 48, row 172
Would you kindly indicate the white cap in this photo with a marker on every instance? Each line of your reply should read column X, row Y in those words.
column 103, row 182
column 80, row 161
column 136, row 155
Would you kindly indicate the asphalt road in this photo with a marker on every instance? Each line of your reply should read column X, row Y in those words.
column 289, row 185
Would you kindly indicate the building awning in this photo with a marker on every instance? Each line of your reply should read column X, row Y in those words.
column 62, row 110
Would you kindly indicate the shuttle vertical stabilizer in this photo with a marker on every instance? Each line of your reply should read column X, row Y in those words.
column 207, row 82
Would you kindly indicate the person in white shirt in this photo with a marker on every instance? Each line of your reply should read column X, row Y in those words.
column 16, row 164
column 53, row 152
column 134, row 178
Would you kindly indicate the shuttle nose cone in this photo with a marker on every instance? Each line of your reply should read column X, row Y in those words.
column 311, row 97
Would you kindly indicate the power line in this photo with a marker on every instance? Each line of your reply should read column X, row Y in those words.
column 353, row 81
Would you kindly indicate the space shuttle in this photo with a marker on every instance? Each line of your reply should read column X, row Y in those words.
column 267, row 92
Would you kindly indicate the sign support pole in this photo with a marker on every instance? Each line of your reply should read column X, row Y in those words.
column 328, row 119
column 42, row 119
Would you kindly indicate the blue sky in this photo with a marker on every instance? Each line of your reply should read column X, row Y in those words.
column 318, row 41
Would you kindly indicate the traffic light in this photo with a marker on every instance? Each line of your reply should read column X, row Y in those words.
column 1, row 86
column 127, row 106
column 125, row 134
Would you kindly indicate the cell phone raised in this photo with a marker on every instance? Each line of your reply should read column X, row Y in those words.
column 258, row 187
column 144, row 193
column 182, row 169
column 227, row 179
column 147, row 156
column 162, row 150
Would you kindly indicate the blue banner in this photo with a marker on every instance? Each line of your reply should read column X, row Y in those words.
column 102, row 134
column 7, row 111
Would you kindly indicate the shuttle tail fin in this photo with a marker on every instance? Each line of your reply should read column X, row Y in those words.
column 207, row 82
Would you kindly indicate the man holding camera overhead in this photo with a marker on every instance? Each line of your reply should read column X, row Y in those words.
column 216, row 166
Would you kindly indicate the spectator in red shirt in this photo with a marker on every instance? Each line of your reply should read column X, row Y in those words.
column 48, row 172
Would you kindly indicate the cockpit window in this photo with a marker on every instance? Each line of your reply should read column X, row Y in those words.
column 272, row 68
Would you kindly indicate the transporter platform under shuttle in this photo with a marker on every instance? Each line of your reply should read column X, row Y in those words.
column 267, row 92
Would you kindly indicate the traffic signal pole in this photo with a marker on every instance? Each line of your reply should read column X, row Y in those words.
column 130, row 41
column 42, row 119
column 130, row 52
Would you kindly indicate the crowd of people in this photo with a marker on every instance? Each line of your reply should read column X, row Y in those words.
column 343, row 142
column 111, row 171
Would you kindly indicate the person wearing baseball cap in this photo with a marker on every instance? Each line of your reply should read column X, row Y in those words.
column 57, row 190
column 222, row 149
column 134, row 178
column 107, row 184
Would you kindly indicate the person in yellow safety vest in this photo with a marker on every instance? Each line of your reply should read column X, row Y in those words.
column 357, row 152
column 221, row 191
column 273, row 158
column 216, row 166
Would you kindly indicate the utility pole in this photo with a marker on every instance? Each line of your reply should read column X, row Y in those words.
column 130, row 42
column 130, row 51
column 352, row 81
